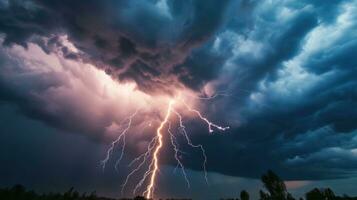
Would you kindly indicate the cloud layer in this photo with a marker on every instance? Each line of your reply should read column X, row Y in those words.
column 288, row 67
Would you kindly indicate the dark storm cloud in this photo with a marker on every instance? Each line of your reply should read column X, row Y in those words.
column 117, row 35
column 130, row 40
column 275, row 107
column 201, row 66
column 21, row 19
column 335, row 58
column 327, row 11
column 288, row 65
column 279, row 46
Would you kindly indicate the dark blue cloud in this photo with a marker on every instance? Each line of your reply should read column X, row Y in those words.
column 286, row 85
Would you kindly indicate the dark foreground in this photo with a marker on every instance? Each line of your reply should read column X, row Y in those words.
column 274, row 189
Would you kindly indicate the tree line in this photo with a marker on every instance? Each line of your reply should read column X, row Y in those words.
column 274, row 189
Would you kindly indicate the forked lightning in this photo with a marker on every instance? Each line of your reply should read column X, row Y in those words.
column 150, row 158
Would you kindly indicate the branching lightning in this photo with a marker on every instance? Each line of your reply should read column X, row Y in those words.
column 122, row 136
column 188, row 140
column 177, row 151
column 210, row 124
column 155, row 161
column 149, row 160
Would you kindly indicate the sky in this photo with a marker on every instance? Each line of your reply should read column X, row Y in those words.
column 280, row 74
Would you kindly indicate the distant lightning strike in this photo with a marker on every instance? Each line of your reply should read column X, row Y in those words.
column 150, row 158
column 121, row 136
column 176, row 155
column 188, row 140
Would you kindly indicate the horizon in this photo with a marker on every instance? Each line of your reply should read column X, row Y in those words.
column 272, row 187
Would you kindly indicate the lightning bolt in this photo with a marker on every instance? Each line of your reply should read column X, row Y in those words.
column 184, row 133
column 150, row 188
column 121, row 136
column 210, row 124
column 176, row 155
column 143, row 157
column 150, row 158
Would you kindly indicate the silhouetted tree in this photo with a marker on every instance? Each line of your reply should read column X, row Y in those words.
column 68, row 194
column 314, row 194
column 275, row 186
column 139, row 198
column 323, row 194
column 329, row 194
column 18, row 189
column 290, row 197
column 263, row 195
column 92, row 196
column 244, row 195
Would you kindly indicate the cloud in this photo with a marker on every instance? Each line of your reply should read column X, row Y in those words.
column 65, row 93
column 277, row 94
column 288, row 67
column 120, row 36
